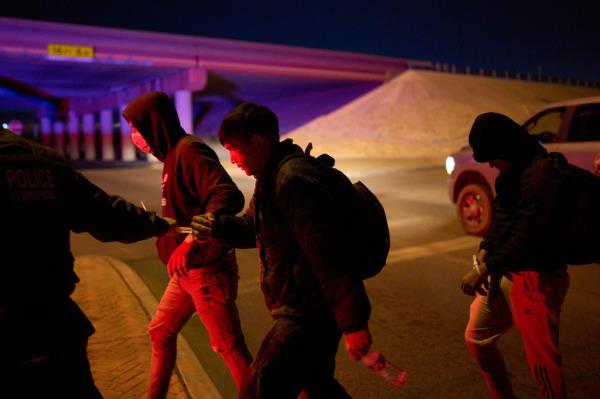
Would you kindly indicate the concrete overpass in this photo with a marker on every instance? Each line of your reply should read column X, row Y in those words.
column 77, row 79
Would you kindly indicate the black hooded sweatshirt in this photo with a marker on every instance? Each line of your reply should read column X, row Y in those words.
column 529, row 226
column 193, row 180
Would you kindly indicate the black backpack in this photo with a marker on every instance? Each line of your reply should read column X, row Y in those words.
column 581, row 190
column 368, row 235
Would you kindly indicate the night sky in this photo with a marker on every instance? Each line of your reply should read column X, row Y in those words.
column 560, row 37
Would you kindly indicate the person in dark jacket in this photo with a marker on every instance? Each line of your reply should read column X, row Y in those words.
column 295, row 223
column 520, row 273
column 203, row 276
column 43, row 333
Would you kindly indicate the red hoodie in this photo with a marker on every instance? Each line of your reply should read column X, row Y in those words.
column 193, row 180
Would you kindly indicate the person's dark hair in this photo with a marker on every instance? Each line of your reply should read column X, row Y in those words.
column 248, row 119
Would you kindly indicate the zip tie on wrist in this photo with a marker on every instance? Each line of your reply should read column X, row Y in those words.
column 476, row 265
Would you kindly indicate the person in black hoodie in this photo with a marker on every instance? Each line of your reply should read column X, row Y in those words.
column 43, row 333
column 520, row 273
column 203, row 276
column 295, row 223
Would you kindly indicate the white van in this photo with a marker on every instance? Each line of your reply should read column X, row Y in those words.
column 571, row 127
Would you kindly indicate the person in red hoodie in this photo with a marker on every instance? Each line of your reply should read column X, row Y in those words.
column 203, row 275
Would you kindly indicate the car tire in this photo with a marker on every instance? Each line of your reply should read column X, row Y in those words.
column 474, row 209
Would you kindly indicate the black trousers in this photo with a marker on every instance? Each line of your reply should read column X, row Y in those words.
column 63, row 374
column 44, row 352
column 297, row 355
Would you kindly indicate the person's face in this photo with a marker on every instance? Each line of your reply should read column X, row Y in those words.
column 596, row 167
column 139, row 141
column 499, row 164
column 251, row 155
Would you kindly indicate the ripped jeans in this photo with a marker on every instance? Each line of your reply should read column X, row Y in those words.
column 531, row 301
column 210, row 292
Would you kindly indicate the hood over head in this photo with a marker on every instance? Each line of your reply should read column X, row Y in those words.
column 155, row 117
column 496, row 136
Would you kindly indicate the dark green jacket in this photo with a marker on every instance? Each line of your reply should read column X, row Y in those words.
column 295, row 222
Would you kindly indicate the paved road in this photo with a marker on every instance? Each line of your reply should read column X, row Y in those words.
column 418, row 311
column 119, row 350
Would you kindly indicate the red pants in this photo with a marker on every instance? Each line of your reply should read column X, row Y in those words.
column 210, row 292
column 531, row 301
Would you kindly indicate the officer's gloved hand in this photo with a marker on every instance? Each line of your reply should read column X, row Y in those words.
column 172, row 225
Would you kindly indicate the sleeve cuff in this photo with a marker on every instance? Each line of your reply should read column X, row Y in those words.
column 162, row 225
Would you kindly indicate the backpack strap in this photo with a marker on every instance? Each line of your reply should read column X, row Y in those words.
column 308, row 148
column 325, row 159
column 287, row 158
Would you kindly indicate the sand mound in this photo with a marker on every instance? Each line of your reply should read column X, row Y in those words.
column 425, row 114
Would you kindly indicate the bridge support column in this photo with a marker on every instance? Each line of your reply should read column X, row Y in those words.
column 73, row 131
column 183, row 104
column 59, row 136
column 89, row 136
column 106, row 135
column 127, row 148
column 46, row 130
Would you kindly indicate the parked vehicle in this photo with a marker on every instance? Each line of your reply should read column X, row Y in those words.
column 570, row 127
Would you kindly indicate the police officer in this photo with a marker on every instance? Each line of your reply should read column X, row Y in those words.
column 43, row 333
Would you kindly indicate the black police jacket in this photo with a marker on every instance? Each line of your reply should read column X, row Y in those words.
column 43, row 199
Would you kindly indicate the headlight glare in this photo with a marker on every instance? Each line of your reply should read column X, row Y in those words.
column 450, row 163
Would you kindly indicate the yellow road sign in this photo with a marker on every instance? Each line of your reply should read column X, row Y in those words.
column 68, row 50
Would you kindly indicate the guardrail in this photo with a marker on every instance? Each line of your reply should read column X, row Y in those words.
column 538, row 76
